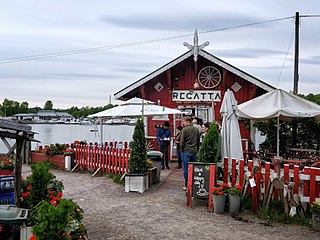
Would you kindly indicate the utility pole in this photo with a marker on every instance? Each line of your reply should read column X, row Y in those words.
column 296, row 54
column 296, row 75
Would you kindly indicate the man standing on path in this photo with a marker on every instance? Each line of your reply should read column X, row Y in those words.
column 189, row 143
column 164, row 137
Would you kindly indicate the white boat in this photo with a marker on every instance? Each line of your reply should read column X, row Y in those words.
column 116, row 121
column 85, row 121
column 133, row 121
column 74, row 121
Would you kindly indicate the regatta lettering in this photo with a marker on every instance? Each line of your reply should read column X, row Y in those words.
column 194, row 96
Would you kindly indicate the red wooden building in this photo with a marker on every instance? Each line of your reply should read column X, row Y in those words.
column 195, row 82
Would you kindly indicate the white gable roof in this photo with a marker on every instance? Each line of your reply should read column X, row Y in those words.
column 204, row 54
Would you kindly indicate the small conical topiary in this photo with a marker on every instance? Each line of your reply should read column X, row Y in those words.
column 138, row 157
column 210, row 147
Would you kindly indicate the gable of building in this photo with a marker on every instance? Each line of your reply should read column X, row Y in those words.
column 258, row 82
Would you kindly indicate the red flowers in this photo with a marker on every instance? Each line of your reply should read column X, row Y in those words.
column 223, row 189
column 224, row 185
column 68, row 152
column 55, row 200
column 33, row 237
column 217, row 191
column 25, row 195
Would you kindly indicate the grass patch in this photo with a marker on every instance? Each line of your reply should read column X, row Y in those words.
column 276, row 213
column 116, row 178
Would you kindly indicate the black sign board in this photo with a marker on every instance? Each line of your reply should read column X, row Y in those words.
column 200, row 179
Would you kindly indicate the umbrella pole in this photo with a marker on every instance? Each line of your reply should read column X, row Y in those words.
column 142, row 108
column 278, row 136
column 213, row 117
column 101, row 131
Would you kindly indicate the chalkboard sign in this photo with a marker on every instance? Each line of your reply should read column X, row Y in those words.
column 200, row 179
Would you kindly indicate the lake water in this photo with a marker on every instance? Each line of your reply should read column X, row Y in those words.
column 60, row 133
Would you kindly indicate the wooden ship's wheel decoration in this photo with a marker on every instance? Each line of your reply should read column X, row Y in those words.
column 209, row 77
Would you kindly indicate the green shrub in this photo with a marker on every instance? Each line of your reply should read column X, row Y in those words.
column 55, row 149
column 210, row 147
column 59, row 219
column 36, row 188
column 235, row 191
column 138, row 157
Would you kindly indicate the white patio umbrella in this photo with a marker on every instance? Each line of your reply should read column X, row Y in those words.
column 136, row 107
column 281, row 105
column 231, row 146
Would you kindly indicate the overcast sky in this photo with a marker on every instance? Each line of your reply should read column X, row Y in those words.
column 38, row 27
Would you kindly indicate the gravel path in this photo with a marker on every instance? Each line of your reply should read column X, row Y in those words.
column 160, row 212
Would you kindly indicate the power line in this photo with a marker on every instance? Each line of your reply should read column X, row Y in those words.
column 130, row 44
column 285, row 58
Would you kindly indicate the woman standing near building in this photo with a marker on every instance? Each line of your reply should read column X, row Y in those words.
column 205, row 128
column 177, row 142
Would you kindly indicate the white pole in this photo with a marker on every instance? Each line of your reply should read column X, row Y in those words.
column 213, row 117
column 101, row 131
column 278, row 136
column 142, row 108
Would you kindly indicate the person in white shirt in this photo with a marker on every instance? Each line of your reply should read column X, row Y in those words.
column 196, row 125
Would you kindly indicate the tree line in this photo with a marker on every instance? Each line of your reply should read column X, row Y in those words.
column 10, row 107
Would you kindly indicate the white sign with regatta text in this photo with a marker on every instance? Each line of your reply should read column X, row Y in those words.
column 196, row 96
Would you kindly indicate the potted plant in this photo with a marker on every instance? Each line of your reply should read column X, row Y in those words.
column 210, row 146
column 219, row 198
column 315, row 209
column 41, row 193
column 234, row 199
column 58, row 219
column 6, row 165
column 137, row 178
column 207, row 155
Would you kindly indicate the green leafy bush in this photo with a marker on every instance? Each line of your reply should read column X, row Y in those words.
column 7, row 163
column 59, row 219
column 235, row 191
column 210, row 147
column 55, row 149
column 37, row 187
column 138, row 157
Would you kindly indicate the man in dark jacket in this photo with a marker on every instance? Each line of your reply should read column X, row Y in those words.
column 189, row 143
column 164, row 137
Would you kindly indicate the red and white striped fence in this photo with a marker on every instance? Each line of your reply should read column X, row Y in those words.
column 306, row 182
column 108, row 158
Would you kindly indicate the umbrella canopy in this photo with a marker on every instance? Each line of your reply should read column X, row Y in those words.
column 136, row 107
column 231, row 146
column 278, row 103
column 281, row 105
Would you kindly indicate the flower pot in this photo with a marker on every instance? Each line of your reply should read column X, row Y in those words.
column 67, row 163
column 316, row 221
column 6, row 172
column 234, row 204
column 25, row 233
column 136, row 182
column 219, row 202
